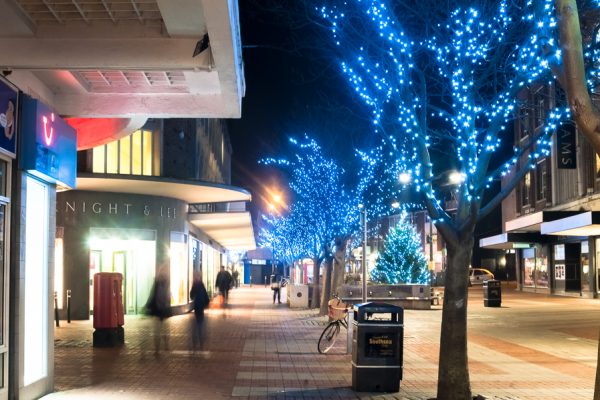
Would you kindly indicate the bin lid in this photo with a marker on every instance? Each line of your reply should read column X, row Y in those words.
column 364, row 312
column 491, row 283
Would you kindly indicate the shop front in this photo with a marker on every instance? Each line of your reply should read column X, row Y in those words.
column 575, row 253
column 8, row 140
column 557, row 252
column 135, row 235
column 47, row 162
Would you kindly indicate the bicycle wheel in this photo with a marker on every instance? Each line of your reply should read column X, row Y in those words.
column 328, row 337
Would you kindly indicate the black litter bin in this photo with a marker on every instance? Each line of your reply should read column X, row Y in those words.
column 377, row 342
column 492, row 293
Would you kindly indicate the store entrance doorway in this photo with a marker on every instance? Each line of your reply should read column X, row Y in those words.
column 130, row 252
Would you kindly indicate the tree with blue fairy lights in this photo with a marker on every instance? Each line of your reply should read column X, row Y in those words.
column 443, row 92
column 322, row 216
column 402, row 259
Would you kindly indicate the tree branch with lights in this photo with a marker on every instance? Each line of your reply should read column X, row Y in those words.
column 457, row 79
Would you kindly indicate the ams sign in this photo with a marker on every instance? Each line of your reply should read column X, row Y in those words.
column 566, row 146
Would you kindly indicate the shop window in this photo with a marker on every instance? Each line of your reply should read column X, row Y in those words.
column 125, row 155
column 3, row 177
column 99, row 160
column 542, row 278
column 112, row 158
column 131, row 155
column 179, row 269
column 528, row 267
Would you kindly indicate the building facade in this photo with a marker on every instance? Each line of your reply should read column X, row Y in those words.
column 549, row 219
column 145, row 203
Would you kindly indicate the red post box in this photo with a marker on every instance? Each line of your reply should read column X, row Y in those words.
column 108, row 309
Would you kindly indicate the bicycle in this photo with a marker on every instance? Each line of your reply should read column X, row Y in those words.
column 338, row 313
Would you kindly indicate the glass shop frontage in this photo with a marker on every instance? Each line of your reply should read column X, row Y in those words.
column 135, row 235
column 559, row 254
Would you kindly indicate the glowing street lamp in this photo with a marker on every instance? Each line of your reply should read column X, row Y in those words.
column 404, row 178
column 456, row 177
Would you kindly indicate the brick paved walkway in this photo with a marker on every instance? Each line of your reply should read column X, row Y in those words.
column 534, row 347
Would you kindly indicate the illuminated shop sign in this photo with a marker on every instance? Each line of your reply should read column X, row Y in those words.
column 115, row 208
column 8, row 119
column 49, row 144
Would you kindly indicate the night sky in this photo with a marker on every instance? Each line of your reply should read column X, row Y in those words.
column 293, row 86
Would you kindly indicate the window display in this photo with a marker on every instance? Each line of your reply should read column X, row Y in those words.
column 528, row 267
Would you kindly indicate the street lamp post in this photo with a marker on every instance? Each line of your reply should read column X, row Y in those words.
column 363, row 214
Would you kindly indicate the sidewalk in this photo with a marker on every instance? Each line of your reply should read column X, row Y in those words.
column 534, row 347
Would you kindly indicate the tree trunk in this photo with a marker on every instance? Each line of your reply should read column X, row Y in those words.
column 585, row 115
column 315, row 284
column 453, row 375
column 339, row 264
column 326, row 285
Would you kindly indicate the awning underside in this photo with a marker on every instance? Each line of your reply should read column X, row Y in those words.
column 232, row 230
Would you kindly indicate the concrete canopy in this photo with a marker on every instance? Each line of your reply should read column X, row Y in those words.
column 232, row 230
column 125, row 58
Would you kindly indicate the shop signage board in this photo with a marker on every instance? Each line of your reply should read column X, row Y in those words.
column 8, row 119
column 567, row 146
column 49, row 144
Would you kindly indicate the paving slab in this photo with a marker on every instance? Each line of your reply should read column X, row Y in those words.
column 533, row 347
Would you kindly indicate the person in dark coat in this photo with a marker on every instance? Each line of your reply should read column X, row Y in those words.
column 276, row 285
column 200, row 297
column 159, row 306
column 223, row 282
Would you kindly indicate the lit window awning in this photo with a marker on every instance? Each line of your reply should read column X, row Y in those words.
column 582, row 224
column 508, row 241
column 532, row 222
column 188, row 191
column 232, row 230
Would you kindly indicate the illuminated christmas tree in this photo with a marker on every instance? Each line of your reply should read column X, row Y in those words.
column 402, row 260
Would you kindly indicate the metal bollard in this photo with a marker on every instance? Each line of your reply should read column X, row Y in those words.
column 265, row 281
column 69, row 306
column 56, row 310
column 349, row 331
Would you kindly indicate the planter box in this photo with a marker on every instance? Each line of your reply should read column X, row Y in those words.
column 407, row 296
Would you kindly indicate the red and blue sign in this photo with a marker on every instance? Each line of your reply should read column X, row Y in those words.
column 8, row 119
column 48, row 144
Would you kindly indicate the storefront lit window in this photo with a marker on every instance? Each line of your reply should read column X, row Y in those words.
column 35, row 335
column 528, row 267
column 179, row 269
column 133, row 155
column 541, row 267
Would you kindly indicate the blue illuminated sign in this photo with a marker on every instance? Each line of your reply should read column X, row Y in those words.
column 49, row 144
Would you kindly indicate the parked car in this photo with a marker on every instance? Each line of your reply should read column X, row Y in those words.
column 479, row 275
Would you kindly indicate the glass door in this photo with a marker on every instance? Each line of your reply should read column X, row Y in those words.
column 585, row 267
column 95, row 265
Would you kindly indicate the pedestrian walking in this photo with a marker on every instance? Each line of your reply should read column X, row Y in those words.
column 159, row 306
column 223, row 282
column 236, row 278
column 200, row 297
column 276, row 287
